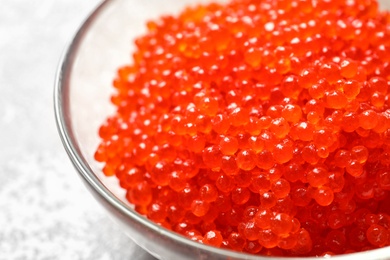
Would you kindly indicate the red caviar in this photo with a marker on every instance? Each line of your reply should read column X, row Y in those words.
column 259, row 126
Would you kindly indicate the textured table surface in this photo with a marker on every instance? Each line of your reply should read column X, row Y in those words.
column 45, row 211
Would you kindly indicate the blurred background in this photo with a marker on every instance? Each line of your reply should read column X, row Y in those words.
column 45, row 211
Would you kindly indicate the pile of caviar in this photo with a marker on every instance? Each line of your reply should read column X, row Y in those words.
column 259, row 126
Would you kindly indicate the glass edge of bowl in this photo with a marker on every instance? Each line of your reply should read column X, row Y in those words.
column 62, row 73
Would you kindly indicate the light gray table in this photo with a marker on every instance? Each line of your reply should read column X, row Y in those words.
column 45, row 211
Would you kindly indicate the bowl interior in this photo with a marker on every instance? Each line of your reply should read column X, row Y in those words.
column 104, row 43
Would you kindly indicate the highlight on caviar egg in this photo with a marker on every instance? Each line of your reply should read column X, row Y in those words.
column 259, row 126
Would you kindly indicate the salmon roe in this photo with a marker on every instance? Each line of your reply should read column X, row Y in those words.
column 259, row 126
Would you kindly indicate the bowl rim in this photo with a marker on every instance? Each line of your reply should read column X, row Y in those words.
column 64, row 129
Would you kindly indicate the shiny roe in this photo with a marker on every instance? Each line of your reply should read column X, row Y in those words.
column 259, row 126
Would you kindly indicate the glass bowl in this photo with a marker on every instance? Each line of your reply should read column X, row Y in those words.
column 81, row 99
